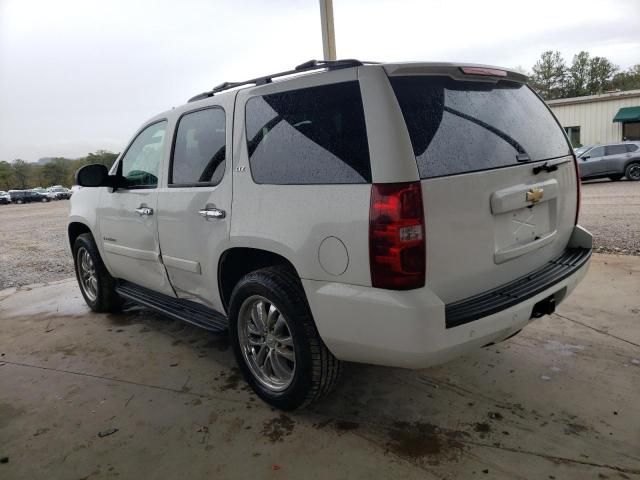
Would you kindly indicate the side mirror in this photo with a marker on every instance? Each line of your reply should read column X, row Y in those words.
column 94, row 175
column 584, row 157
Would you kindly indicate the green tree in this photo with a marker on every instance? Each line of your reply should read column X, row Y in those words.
column 549, row 75
column 103, row 157
column 628, row 79
column 55, row 172
column 21, row 172
column 578, row 75
column 6, row 176
column 601, row 72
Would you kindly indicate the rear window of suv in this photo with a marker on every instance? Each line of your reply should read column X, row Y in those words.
column 313, row 135
column 466, row 126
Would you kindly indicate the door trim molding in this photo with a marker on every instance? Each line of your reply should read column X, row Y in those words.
column 182, row 264
column 130, row 252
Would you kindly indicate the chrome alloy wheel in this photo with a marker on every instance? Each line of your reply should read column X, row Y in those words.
column 87, row 274
column 266, row 343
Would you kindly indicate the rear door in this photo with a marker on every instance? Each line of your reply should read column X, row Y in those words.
column 493, row 213
column 194, row 209
column 615, row 158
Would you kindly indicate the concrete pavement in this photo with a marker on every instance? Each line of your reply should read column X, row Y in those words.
column 134, row 394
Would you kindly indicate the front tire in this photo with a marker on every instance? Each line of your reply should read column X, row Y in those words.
column 96, row 284
column 275, row 340
column 632, row 171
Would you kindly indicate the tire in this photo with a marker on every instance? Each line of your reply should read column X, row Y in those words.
column 19, row 201
column 315, row 371
column 44, row 200
column 102, row 297
column 632, row 172
column 616, row 178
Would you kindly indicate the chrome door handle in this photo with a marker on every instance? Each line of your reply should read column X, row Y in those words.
column 144, row 211
column 212, row 212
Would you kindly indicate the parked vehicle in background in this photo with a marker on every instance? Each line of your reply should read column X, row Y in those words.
column 580, row 150
column 614, row 161
column 397, row 214
column 59, row 192
column 4, row 198
column 27, row 196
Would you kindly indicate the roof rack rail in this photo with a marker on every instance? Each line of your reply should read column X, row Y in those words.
column 303, row 67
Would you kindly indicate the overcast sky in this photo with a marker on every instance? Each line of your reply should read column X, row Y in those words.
column 77, row 76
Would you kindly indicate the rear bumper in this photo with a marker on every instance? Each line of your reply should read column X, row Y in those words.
column 409, row 329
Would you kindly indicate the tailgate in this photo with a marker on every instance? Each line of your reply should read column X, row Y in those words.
column 498, row 179
column 483, row 233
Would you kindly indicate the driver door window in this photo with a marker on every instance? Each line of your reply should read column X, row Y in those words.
column 596, row 152
column 140, row 165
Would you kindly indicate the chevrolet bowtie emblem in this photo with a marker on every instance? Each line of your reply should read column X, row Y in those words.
column 535, row 194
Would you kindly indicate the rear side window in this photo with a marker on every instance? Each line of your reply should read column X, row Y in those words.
column 308, row 136
column 463, row 126
column 631, row 147
column 615, row 149
column 199, row 148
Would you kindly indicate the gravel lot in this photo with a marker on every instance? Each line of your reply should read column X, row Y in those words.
column 33, row 246
column 611, row 212
column 33, row 243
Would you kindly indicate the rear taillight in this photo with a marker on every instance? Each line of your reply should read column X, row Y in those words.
column 578, row 188
column 397, row 253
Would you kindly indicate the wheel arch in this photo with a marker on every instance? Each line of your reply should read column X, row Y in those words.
column 236, row 262
column 75, row 229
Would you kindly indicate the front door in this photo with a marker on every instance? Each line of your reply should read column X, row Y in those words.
column 592, row 162
column 128, row 217
column 194, row 208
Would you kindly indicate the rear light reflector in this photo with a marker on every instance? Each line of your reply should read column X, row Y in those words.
column 397, row 251
column 491, row 72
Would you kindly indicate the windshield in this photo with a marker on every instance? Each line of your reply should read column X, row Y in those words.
column 466, row 126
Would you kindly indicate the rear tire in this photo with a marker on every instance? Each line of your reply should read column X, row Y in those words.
column 286, row 374
column 96, row 284
column 19, row 202
column 632, row 171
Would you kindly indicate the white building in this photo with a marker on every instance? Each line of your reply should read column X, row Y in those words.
column 606, row 118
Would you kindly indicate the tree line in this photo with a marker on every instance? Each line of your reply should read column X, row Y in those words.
column 21, row 175
column 553, row 78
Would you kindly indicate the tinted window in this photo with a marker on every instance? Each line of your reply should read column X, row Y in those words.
column 199, row 151
column 309, row 136
column 631, row 147
column 596, row 152
column 615, row 149
column 460, row 126
column 141, row 164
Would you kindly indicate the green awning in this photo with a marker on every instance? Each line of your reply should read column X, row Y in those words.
column 628, row 114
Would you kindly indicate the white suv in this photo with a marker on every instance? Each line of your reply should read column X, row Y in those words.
column 392, row 214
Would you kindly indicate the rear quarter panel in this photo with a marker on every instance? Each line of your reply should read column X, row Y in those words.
column 293, row 220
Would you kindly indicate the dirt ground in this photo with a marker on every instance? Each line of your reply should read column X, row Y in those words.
column 134, row 395
column 33, row 245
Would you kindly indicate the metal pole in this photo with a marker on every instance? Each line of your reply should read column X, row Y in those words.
column 328, row 32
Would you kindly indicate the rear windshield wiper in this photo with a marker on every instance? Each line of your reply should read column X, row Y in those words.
column 522, row 155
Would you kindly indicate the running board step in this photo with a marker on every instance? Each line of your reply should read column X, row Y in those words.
column 177, row 308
